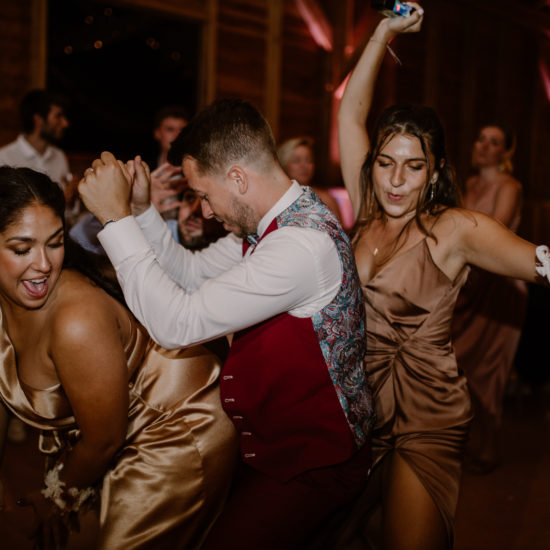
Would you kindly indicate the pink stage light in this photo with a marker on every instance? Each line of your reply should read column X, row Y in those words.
column 545, row 77
column 319, row 28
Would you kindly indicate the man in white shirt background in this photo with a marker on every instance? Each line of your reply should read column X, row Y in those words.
column 294, row 383
column 44, row 122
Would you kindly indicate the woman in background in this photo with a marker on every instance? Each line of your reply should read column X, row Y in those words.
column 297, row 159
column 122, row 420
column 490, row 310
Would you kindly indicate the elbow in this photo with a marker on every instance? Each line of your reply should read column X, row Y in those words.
column 108, row 449
column 104, row 449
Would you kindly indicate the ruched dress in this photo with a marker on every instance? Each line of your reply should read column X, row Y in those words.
column 169, row 481
column 422, row 401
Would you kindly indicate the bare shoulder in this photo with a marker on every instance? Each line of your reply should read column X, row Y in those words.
column 81, row 309
column 450, row 220
column 509, row 183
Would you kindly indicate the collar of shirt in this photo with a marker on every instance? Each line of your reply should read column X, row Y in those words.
column 292, row 194
column 30, row 152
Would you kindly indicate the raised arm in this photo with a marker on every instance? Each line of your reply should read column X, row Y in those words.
column 357, row 100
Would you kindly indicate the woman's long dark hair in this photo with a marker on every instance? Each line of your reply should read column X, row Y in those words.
column 422, row 123
column 23, row 187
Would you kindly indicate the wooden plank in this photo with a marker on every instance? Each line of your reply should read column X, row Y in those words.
column 38, row 39
column 273, row 65
column 192, row 9
column 208, row 68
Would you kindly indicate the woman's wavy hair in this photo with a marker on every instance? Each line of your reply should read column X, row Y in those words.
column 422, row 123
column 23, row 187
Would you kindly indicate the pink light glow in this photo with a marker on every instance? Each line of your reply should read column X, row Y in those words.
column 319, row 28
column 545, row 77
column 339, row 92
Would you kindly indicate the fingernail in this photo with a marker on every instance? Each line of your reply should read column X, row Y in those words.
column 420, row 11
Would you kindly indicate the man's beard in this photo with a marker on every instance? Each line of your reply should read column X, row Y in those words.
column 49, row 135
column 243, row 220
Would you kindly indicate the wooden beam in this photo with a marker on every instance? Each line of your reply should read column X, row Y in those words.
column 39, row 49
column 273, row 64
column 209, row 42
column 199, row 9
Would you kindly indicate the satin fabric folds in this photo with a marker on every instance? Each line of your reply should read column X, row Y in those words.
column 168, row 482
column 422, row 402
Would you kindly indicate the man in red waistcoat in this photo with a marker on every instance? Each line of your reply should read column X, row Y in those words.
column 285, row 283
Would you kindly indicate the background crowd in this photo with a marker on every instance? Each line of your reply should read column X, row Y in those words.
column 223, row 220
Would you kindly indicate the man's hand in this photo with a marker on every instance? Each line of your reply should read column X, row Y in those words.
column 140, row 176
column 167, row 182
column 106, row 188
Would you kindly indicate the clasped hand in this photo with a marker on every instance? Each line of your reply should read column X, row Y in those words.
column 112, row 189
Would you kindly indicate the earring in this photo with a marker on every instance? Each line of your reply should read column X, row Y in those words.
column 432, row 190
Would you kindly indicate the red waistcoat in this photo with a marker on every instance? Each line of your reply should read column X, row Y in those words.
column 276, row 388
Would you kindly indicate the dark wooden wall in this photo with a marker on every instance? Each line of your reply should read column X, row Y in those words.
column 474, row 61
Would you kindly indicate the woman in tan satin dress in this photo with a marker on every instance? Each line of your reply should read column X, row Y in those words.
column 413, row 249
column 123, row 421
column 490, row 310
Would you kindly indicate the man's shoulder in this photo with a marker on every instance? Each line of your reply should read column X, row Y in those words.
column 9, row 149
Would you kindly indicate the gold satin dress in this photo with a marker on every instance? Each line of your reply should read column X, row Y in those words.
column 422, row 402
column 170, row 479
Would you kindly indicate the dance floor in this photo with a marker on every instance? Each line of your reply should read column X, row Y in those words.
column 508, row 509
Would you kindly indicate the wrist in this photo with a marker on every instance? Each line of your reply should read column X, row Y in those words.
column 383, row 32
column 113, row 217
column 138, row 209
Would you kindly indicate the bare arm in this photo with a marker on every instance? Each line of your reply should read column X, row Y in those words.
column 357, row 100
column 89, row 359
column 91, row 365
column 470, row 237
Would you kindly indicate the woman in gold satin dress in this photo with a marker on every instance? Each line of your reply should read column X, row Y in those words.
column 413, row 247
column 124, row 422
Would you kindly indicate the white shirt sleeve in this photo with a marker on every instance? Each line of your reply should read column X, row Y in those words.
column 189, row 269
column 295, row 270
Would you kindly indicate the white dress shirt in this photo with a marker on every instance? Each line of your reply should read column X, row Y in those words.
column 53, row 162
column 185, row 297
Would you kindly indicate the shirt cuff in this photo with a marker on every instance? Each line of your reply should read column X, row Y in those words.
column 122, row 239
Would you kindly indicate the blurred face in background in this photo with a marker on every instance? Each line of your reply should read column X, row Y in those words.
column 168, row 131
column 190, row 220
column 54, row 126
column 489, row 148
column 300, row 165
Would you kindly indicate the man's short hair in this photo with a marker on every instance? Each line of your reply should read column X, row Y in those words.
column 227, row 131
column 38, row 102
column 173, row 111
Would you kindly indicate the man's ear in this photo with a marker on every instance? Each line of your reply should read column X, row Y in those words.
column 238, row 176
column 38, row 121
